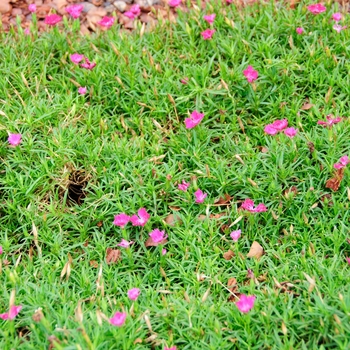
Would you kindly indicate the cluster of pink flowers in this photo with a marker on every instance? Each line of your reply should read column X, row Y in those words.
column 330, row 121
column 343, row 162
column 133, row 12
column 251, row 74
column 278, row 126
column 76, row 58
column 316, row 8
column 248, row 205
column 194, row 119
column 140, row 219
column 53, row 19
column 208, row 33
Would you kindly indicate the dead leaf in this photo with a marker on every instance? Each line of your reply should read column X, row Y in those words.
column 256, row 251
column 335, row 181
column 306, row 106
column 113, row 255
column 67, row 268
column 151, row 243
column 205, row 295
column 223, row 200
column 137, row 341
column 311, row 147
column 328, row 94
column 311, row 281
column 38, row 315
column 94, row 264
column 284, row 328
column 173, row 219
column 291, row 192
column 228, row 255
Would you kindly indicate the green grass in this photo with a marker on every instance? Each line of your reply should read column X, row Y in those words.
column 113, row 134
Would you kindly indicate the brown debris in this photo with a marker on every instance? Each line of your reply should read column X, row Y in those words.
column 113, row 255
column 335, row 181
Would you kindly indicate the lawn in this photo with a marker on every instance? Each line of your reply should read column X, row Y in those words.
column 180, row 127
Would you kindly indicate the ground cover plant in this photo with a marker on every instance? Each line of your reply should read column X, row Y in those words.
column 183, row 188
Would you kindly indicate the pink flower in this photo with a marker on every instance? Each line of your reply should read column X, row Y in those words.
column 337, row 16
column 134, row 11
column 248, row 205
column 245, row 303
column 88, row 65
column 134, row 293
column 32, row 8
column 121, row 220
column 200, row 196
column 1, row 250
column 172, row 348
column 184, row 80
column 53, row 19
column 235, row 235
column 141, row 219
column 15, row 139
column 290, row 132
column 330, row 121
column 229, row 2
column 251, row 74
column 118, row 319
column 125, row 244
column 174, row 3
column 194, row 119
column 207, row 34
column 210, row 18
column 76, row 58
column 27, row 31
column 82, row 90
column 269, row 129
column 338, row 28
column 280, row 124
column 106, row 22
column 158, row 236
column 316, row 8
column 343, row 162
column 75, row 10
column 164, row 251
column 300, row 30
column 14, row 311
column 348, row 260
column 184, row 186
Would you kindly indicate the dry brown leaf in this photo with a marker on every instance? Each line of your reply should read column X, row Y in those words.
column 205, row 295
column 151, row 243
column 284, row 328
column 223, row 200
column 94, row 264
column 38, row 315
column 67, row 268
column 228, row 255
column 306, row 106
column 173, row 219
column 137, row 341
column 232, row 282
column 311, row 281
column 113, row 255
column 256, row 251
column 335, row 181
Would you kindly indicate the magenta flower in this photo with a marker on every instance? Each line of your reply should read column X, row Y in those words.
column 184, row 186
column 27, row 31
column 82, row 90
column 290, row 132
column 134, row 11
column 200, row 196
column 316, row 8
column 300, row 30
column 229, row 2
column 235, row 235
column 174, row 3
column 76, row 58
column 53, row 19
column 158, row 236
column 75, row 10
column 118, row 319
column 172, row 348
column 210, row 18
column 330, row 121
column 248, row 205
column 251, row 74
column 245, row 303
column 164, row 251
column 337, row 16
column 14, row 311
column 207, row 34
column 270, row 130
column 14, row 139
column 125, row 244
column 194, row 119
column 106, row 22
column 338, row 28
column 343, row 162
column 141, row 219
column 32, row 8
column 1, row 250
column 348, row 260
column 184, row 80
column 88, row 65
column 121, row 220
column 134, row 293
